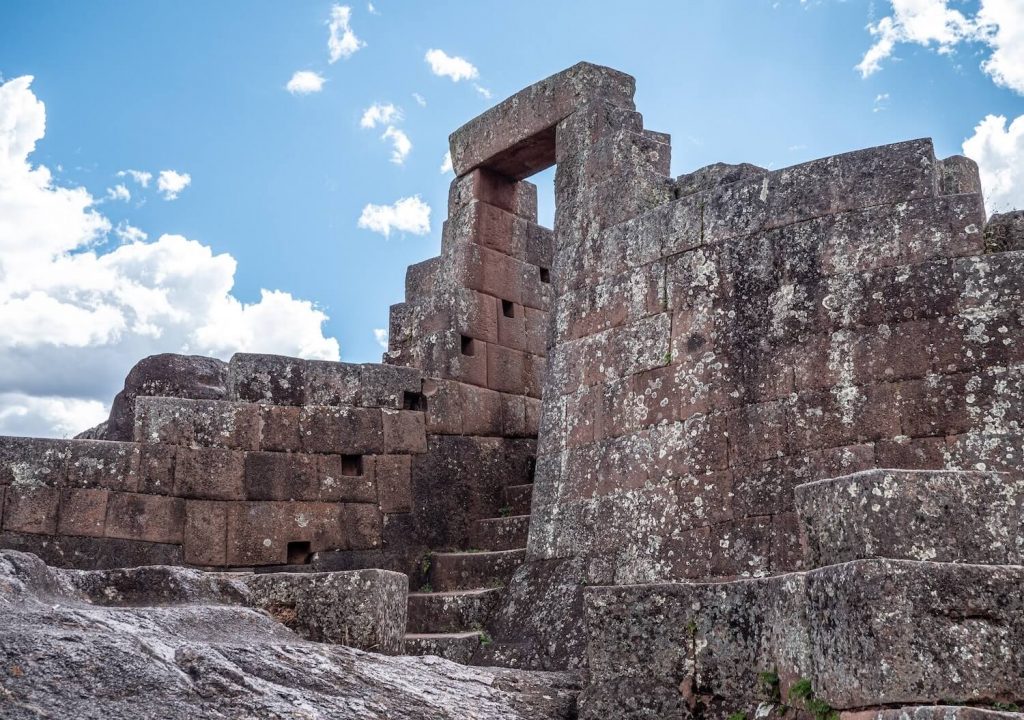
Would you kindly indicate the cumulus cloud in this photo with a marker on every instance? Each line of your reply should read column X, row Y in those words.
column 456, row 68
column 381, row 336
column 401, row 146
column 119, row 192
column 446, row 162
column 998, row 24
column 998, row 149
column 410, row 215
column 141, row 177
column 170, row 183
column 342, row 41
column 304, row 82
column 129, row 233
column 74, row 319
column 380, row 114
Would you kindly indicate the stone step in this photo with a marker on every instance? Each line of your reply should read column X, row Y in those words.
column 447, row 612
column 501, row 533
column 517, row 498
column 469, row 570
column 457, row 647
column 522, row 656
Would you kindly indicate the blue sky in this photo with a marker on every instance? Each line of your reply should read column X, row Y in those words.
column 278, row 180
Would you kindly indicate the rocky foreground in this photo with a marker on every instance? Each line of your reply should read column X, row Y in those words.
column 114, row 644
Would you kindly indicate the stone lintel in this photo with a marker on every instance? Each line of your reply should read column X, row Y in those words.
column 517, row 136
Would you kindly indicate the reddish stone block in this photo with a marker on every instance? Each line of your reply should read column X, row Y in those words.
column 333, row 383
column 279, row 428
column 475, row 315
column 694, row 446
column 197, row 423
column 787, row 554
column 536, row 285
column 481, row 411
column 151, row 518
column 506, row 369
column 659, row 396
column 581, row 416
column 347, row 478
column 689, row 553
column 704, row 499
column 743, row 548
column 465, row 359
column 362, row 525
column 258, row 378
column 260, row 533
column 848, row 416
column 205, row 535
column 766, row 486
column 388, row 386
column 83, row 511
column 513, row 416
column 31, row 509
column 100, row 464
column 281, row 476
column 935, row 406
column 343, row 430
column 495, row 189
column 156, row 469
column 536, row 331
column 535, row 370
column 494, row 228
column 511, row 325
column 394, row 483
column 444, row 406
column 758, row 432
column 533, row 411
column 209, row 474
column 33, row 461
column 910, row 453
column 404, row 431
column 835, row 462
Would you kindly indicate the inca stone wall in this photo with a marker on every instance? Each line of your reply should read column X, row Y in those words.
column 720, row 338
column 772, row 422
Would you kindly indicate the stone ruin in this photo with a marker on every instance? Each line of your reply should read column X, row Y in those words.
column 731, row 442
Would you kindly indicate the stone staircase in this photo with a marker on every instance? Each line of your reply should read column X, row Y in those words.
column 448, row 615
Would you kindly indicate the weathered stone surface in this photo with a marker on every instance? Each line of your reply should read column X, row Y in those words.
column 364, row 609
column 865, row 633
column 75, row 653
column 505, row 138
column 271, row 379
column 1005, row 231
column 197, row 423
column 943, row 516
column 167, row 375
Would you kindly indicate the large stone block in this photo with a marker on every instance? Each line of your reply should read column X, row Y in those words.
column 343, row 430
column 197, row 423
column 519, row 198
column 92, row 553
column 103, row 464
column 281, row 476
column 516, row 137
column 365, row 609
column 271, row 379
column 150, row 518
column 36, row 462
column 83, row 511
column 279, row 533
column 205, row 534
column 209, row 474
column 941, row 516
column 864, row 634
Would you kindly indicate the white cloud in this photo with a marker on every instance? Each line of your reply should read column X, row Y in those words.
column 304, row 82
column 129, row 233
column 380, row 114
column 139, row 176
column 420, row 100
column 456, row 68
column 999, row 151
column 27, row 415
column 482, row 91
column 170, row 183
column 119, row 192
column 371, row 8
column 881, row 102
column 998, row 24
column 446, row 163
column 74, row 319
column 342, row 42
column 409, row 214
column 381, row 336
column 401, row 145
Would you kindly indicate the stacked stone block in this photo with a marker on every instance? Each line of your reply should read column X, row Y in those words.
column 478, row 313
column 912, row 597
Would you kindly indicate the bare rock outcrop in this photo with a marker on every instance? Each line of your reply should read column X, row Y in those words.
column 74, row 646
